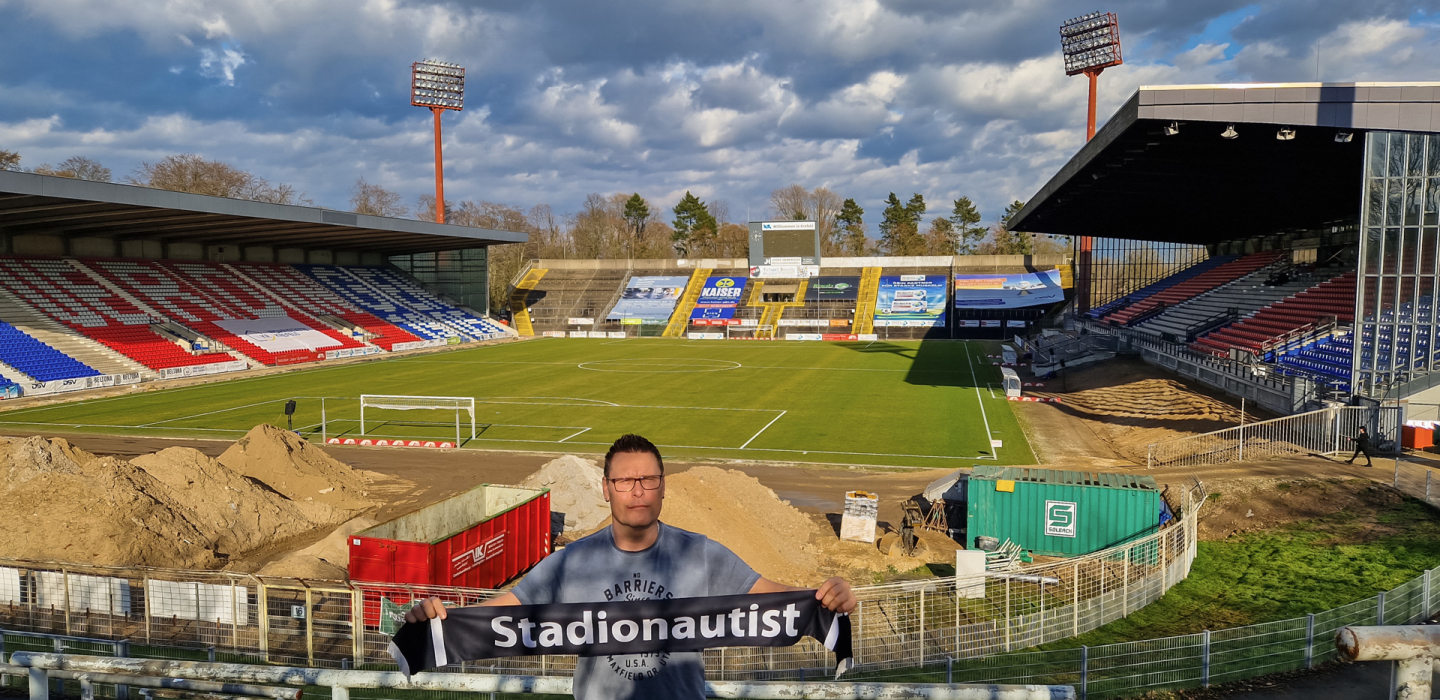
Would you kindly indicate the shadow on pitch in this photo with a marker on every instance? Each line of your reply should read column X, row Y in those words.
column 934, row 362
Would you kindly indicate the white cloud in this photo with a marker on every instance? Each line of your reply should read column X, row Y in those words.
column 221, row 64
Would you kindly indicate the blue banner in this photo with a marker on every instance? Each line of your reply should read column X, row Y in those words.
column 719, row 298
column 911, row 300
column 649, row 298
column 1008, row 291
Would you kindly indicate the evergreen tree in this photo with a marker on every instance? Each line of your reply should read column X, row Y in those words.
column 900, row 229
column 966, row 219
column 637, row 211
column 693, row 223
column 850, row 232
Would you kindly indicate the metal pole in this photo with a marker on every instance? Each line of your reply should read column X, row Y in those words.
column 339, row 692
column 309, row 628
column 324, row 433
column 87, row 688
column 1427, row 486
column 1007, row 614
column 1084, row 671
column 1125, row 590
column 439, row 171
column 1075, row 604
column 39, row 684
column 263, row 612
column 1205, row 661
column 1310, row 640
column 65, row 577
column 1094, row 76
column 145, row 592
column 1380, row 608
column 922, row 626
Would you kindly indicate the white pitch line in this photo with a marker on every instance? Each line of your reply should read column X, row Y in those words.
column 980, row 400
column 567, row 437
column 767, row 425
column 208, row 413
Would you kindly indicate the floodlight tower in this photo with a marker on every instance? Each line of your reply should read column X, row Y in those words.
column 439, row 86
column 1090, row 43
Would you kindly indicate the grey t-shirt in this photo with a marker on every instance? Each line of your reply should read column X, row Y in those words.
column 681, row 564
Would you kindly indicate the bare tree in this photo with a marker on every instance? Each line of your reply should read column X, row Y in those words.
column 77, row 167
column 790, row 202
column 9, row 160
column 191, row 173
column 821, row 206
column 374, row 200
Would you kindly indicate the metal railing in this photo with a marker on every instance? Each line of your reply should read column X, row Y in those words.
column 1323, row 432
column 38, row 666
column 331, row 624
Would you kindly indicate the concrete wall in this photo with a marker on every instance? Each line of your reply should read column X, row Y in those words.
column 372, row 259
column 37, row 244
column 151, row 250
column 320, row 257
column 93, row 247
column 347, row 257
column 185, row 251
column 290, row 256
column 259, row 253
column 224, row 253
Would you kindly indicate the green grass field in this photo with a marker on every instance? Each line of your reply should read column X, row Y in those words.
column 925, row 404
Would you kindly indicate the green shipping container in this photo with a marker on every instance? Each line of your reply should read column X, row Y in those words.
column 1060, row 513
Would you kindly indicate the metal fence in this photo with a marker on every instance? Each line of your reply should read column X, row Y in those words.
column 331, row 624
column 1326, row 431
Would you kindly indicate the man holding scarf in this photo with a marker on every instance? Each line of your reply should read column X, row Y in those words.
column 640, row 558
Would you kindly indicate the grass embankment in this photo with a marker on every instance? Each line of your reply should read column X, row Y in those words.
column 1302, row 567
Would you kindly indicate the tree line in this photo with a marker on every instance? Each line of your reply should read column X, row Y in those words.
column 617, row 226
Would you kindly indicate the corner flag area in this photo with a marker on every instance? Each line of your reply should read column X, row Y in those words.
column 897, row 403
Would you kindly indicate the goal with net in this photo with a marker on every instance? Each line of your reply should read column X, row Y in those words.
column 394, row 402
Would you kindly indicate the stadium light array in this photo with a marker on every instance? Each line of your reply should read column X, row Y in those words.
column 1090, row 44
column 439, row 86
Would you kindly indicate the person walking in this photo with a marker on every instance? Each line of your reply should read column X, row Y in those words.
column 1362, row 447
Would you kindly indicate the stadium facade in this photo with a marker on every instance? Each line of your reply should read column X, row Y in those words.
column 104, row 284
column 1275, row 238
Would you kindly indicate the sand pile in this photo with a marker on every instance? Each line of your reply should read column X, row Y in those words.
column 173, row 508
column 576, row 491
column 1132, row 416
column 327, row 559
column 296, row 469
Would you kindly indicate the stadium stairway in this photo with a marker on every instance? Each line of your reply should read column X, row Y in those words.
column 680, row 317
column 1333, row 297
column 562, row 294
column 521, row 299
column 295, row 288
column 1160, row 285
column 72, row 296
column 1244, row 296
column 865, row 304
column 1191, row 287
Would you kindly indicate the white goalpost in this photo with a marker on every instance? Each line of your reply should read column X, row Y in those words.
column 400, row 402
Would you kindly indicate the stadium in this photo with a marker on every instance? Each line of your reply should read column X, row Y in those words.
column 244, row 437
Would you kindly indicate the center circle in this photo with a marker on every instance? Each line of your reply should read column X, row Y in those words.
column 660, row 365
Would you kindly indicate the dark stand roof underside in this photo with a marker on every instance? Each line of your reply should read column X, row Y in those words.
column 32, row 203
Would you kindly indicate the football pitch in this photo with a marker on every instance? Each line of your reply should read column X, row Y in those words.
column 896, row 403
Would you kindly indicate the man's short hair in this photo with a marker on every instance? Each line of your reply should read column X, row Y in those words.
column 636, row 444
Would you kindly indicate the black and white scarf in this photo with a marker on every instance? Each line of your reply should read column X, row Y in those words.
column 624, row 627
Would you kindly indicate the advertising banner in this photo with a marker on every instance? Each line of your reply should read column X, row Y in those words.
column 1014, row 324
column 804, row 336
column 648, row 298
column 718, row 298
column 277, row 334
column 990, row 323
column 844, row 288
column 784, row 272
column 580, row 321
column 1008, row 291
column 911, row 298
column 705, row 336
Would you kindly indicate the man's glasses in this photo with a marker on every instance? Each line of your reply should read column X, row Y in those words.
column 626, row 484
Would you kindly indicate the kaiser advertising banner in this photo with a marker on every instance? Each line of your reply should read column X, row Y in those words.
column 719, row 298
column 1008, row 291
column 648, row 298
column 918, row 300
column 278, row 334
column 844, row 288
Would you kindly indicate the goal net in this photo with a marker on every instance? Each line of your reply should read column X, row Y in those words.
column 397, row 402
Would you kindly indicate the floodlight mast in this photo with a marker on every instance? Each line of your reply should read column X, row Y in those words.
column 438, row 86
column 1090, row 44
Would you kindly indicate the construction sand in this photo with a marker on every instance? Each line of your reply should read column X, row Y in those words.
column 174, row 508
column 327, row 559
column 576, row 492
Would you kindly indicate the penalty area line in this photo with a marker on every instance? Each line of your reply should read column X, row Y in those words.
column 975, row 381
column 757, row 434
column 567, row 437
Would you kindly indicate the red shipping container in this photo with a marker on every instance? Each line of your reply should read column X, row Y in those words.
column 1416, row 437
column 478, row 539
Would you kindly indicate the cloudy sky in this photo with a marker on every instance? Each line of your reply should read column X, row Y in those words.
column 726, row 98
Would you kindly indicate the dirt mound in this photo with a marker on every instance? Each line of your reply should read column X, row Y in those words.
column 327, row 559
column 576, row 491
column 173, row 508
column 1237, row 506
column 297, row 469
column 736, row 510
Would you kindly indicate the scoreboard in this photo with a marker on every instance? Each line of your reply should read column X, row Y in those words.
column 784, row 248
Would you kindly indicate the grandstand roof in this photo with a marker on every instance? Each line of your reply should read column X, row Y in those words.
column 31, row 203
column 1134, row 181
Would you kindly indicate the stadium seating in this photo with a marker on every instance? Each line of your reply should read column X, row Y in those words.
column 1326, row 361
column 36, row 359
column 1334, row 297
column 357, row 292
column 419, row 299
column 290, row 283
column 1159, row 286
column 61, row 291
column 222, row 284
column 1190, row 288
column 565, row 294
column 1209, row 311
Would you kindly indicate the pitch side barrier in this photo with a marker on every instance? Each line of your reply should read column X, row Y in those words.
column 333, row 624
